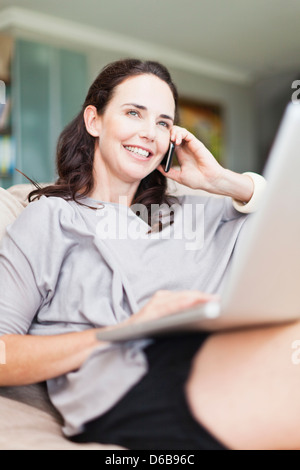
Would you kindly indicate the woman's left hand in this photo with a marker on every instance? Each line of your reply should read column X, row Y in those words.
column 198, row 167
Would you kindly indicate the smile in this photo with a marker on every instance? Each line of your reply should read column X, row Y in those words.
column 139, row 152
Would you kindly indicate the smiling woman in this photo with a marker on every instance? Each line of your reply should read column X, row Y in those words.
column 136, row 133
column 62, row 279
column 132, row 122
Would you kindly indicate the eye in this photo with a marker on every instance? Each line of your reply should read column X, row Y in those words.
column 132, row 112
column 164, row 124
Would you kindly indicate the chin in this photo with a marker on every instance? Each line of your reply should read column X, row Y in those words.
column 134, row 174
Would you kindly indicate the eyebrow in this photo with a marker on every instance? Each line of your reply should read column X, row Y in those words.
column 139, row 106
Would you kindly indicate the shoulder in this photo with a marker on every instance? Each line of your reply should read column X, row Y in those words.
column 211, row 203
column 46, row 207
column 42, row 218
column 214, row 206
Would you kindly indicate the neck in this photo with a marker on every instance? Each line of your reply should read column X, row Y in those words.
column 109, row 188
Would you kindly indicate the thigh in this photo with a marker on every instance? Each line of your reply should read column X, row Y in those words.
column 244, row 387
column 154, row 413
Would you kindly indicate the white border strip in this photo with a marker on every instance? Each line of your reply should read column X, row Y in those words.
column 15, row 18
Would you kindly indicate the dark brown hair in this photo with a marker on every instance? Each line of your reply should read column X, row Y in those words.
column 75, row 148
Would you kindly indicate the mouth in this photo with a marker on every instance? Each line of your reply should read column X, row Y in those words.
column 139, row 152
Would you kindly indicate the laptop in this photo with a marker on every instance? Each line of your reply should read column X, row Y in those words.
column 263, row 283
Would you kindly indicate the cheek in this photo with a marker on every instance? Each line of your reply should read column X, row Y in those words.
column 113, row 133
column 122, row 130
column 164, row 145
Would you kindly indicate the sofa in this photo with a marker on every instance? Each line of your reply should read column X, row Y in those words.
column 28, row 421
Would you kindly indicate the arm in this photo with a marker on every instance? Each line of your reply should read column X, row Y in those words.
column 31, row 359
column 200, row 170
column 238, row 186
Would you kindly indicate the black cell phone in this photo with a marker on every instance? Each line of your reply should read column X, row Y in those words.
column 167, row 161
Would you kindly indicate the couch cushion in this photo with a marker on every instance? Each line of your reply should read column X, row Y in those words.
column 20, row 192
column 10, row 208
column 34, row 395
column 23, row 427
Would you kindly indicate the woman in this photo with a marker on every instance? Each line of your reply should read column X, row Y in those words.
column 64, row 273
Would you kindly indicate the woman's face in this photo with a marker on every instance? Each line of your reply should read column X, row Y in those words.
column 134, row 131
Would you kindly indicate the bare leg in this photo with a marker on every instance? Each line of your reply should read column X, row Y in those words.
column 244, row 388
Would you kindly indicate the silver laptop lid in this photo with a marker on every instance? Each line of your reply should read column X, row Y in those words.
column 264, row 281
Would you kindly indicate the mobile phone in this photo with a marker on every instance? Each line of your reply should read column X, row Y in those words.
column 167, row 161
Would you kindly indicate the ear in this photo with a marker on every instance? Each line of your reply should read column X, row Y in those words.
column 92, row 121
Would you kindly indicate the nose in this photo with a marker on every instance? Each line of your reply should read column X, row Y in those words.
column 148, row 130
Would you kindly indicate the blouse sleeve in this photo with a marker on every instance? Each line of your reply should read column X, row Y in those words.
column 19, row 295
column 31, row 256
column 253, row 205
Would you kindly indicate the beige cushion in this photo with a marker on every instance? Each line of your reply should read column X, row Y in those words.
column 20, row 192
column 12, row 202
column 23, row 427
column 10, row 208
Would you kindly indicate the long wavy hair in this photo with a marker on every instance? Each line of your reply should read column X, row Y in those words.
column 75, row 147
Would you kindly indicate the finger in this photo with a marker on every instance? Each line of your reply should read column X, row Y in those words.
column 196, row 296
column 174, row 301
column 177, row 137
column 173, row 306
column 173, row 174
column 179, row 134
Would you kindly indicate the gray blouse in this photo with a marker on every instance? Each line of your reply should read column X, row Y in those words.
column 65, row 267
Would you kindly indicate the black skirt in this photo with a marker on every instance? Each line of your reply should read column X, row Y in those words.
column 154, row 414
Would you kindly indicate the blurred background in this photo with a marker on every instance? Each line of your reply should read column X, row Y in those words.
column 235, row 63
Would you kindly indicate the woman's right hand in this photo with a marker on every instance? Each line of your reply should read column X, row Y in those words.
column 166, row 302
column 32, row 359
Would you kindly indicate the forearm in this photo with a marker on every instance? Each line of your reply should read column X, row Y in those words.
column 238, row 186
column 31, row 359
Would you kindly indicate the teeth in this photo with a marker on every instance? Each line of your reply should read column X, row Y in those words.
column 139, row 151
